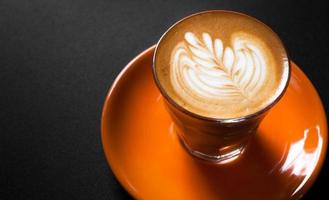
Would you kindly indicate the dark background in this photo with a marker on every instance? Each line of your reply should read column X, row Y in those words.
column 58, row 58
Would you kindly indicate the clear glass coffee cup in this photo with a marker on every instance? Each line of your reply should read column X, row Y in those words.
column 215, row 139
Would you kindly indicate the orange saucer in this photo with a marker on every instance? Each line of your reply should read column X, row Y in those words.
column 281, row 162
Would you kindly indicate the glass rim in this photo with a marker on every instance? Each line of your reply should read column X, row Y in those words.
column 217, row 119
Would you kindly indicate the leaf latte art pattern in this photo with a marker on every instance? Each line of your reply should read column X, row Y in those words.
column 203, row 70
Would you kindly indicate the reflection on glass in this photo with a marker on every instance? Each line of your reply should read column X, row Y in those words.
column 300, row 161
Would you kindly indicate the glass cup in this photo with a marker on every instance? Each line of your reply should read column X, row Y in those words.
column 213, row 139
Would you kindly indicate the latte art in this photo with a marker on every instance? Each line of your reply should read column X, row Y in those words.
column 204, row 69
column 221, row 65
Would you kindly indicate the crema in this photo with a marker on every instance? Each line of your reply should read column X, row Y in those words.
column 221, row 65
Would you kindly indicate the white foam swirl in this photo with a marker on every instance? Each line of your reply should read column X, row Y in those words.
column 203, row 69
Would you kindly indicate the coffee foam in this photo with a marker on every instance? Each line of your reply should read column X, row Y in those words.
column 227, row 72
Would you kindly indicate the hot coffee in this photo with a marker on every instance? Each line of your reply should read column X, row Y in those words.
column 221, row 65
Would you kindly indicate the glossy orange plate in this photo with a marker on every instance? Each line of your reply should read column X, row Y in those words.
column 281, row 162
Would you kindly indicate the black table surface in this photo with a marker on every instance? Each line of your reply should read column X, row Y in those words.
column 58, row 59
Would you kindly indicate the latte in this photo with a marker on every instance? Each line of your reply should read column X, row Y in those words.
column 221, row 64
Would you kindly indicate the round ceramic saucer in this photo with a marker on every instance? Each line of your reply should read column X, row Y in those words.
column 281, row 162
